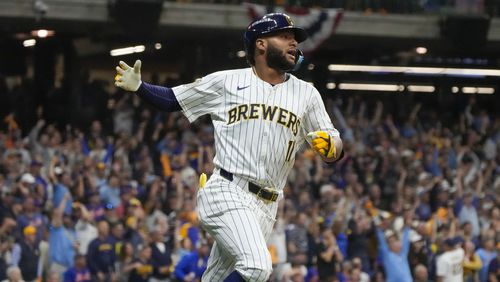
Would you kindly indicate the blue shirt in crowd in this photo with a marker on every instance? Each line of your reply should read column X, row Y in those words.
column 396, row 266
column 486, row 257
column 59, row 191
column 110, row 195
column 61, row 249
column 191, row 262
column 77, row 275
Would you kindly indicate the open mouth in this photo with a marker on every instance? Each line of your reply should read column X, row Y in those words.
column 292, row 53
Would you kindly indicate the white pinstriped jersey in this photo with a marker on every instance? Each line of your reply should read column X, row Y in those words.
column 449, row 265
column 258, row 127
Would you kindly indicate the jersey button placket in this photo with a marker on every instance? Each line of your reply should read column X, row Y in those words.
column 264, row 146
column 265, row 134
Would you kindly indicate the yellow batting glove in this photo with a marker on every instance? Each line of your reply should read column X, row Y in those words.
column 323, row 143
column 203, row 180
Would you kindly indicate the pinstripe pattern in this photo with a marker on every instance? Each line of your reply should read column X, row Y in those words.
column 255, row 149
column 241, row 225
column 258, row 128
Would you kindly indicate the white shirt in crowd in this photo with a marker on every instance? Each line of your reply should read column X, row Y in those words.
column 85, row 233
column 449, row 265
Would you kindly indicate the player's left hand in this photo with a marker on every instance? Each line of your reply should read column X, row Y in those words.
column 323, row 143
column 128, row 78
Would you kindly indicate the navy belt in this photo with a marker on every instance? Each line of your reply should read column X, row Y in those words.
column 262, row 193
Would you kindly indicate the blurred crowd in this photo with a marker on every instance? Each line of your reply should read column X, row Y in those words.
column 111, row 196
column 490, row 7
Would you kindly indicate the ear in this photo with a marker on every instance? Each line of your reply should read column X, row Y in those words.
column 261, row 44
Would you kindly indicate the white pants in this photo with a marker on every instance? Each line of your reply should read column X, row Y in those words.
column 240, row 223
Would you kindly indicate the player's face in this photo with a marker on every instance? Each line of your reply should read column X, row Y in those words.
column 281, row 51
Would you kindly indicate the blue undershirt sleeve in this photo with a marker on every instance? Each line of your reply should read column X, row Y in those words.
column 161, row 97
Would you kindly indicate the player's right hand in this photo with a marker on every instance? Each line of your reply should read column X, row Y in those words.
column 128, row 78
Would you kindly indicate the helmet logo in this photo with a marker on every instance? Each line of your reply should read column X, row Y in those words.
column 265, row 24
column 289, row 20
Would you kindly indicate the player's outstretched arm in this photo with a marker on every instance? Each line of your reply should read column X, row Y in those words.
column 328, row 146
column 129, row 79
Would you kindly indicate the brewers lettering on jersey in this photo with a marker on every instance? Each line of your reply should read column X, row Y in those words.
column 261, row 117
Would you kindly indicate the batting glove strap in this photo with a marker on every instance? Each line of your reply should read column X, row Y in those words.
column 323, row 143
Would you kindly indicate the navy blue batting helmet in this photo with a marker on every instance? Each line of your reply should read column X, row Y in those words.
column 268, row 24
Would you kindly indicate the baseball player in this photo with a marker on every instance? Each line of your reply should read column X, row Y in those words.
column 261, row 116
column 449, row 265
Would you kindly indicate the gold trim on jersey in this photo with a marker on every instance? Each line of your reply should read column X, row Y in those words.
column 279, row 115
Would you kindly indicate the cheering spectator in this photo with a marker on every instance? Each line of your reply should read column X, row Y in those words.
column 191, row 267
column 421, row 274
column 132, row 232
column 468, row 213
column 297, row 240
column 62, row 181
column 117, row 232
column 487, row 253
column 26, row 254
column 472, row 263
column 62, row 244
column 32, row 217
column 329, row 256
column 14, row 275
column 53, row 277
column 161, row 257
column 101, row 254
column 357, row 268
column 78, row 273
column 95, row 207
column 142, row 267
column 494, row 268
column 419, row 251
column 394, row 252
column 358, row 245
column 125, row 262
column 85, row 230
column 110, row 192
